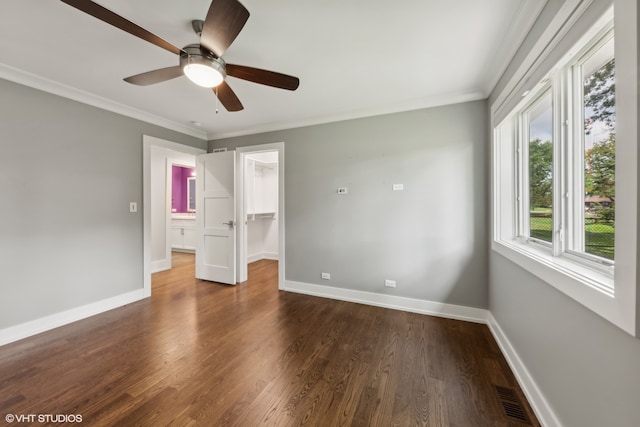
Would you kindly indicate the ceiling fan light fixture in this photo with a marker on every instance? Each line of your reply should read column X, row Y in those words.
column 202, row 69
column 203, row 75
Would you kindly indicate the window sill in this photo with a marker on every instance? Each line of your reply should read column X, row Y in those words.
column 561, row 270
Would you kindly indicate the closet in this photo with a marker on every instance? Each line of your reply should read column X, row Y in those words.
column 261, row 190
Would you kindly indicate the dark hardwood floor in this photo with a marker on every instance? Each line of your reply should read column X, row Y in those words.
column 200, row 353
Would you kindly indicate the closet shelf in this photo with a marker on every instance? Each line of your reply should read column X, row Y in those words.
column 266, row 165
column 260, row 215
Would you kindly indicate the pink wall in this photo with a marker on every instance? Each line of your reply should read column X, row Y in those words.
column 179, row 188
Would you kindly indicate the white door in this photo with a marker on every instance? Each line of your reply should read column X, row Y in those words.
column 215, row 218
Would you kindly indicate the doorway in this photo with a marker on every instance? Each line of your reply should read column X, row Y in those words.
column 157, row 204
column 154, row 144
column 260, row 206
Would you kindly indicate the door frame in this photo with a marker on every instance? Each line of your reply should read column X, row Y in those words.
column 147, row 143
column 241, row 209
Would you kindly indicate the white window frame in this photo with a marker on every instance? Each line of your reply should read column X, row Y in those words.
column 523, row 138
column 575, row 179
column 607, row 290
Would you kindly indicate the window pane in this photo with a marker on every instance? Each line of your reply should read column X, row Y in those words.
column 599, row 148
column 540, row 169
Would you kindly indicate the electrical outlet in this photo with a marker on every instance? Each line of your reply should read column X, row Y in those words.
column 390, row 283
column 326, row 276
column 343, row 190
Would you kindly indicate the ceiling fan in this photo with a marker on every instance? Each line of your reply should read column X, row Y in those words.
column 201, row 63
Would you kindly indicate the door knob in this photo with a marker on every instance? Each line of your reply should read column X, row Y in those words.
column 230, row 223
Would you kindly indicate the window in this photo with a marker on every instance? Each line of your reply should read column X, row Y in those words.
column 566, row 178
column 594, row 76
column 558, row 161
column 538, row 204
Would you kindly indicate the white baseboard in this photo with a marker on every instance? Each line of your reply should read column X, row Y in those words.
column 262, row 255
column 254, row 258
column 439, row 309
column 274, row 256
column 184, row 250
column 160, row 265
column 33, row 327
column 536, row 399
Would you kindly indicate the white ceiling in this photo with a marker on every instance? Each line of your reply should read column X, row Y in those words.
column 354, row 58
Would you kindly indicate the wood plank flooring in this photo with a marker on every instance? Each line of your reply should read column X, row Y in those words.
column 204, row 354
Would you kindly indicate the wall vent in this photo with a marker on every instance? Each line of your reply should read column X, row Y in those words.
column 512, row 405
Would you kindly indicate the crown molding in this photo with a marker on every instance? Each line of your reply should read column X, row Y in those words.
column 520, row 26
column 36, row 82
column 408, row 105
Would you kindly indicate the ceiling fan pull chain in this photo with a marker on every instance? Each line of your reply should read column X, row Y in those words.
column 216, row 90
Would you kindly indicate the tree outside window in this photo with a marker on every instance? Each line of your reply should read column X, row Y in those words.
column 600, row 160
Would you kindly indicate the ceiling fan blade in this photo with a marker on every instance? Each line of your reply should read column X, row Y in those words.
column 224, row 21
column 155, row 76
column 227, row 97
column 263, row 77
column 118, row 21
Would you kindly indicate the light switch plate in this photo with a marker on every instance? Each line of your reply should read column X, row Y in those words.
column 133, row 207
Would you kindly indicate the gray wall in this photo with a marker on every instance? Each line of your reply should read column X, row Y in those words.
column 67, row 174
column 588, row 369
column 430, row 238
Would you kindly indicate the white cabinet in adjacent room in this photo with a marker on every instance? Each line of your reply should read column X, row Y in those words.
column 183, row 233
